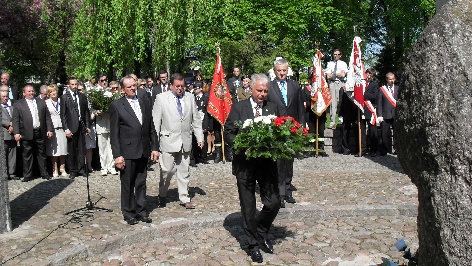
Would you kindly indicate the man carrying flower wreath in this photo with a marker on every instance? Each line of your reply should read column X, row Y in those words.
column 248, row 171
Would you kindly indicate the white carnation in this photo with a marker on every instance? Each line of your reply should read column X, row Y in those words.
column 266, row 120
column 107, row 94
column 247, row 123
column 258, row 119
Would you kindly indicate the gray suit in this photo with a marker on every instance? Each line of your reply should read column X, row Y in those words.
column 10, row 143
column 175, row 139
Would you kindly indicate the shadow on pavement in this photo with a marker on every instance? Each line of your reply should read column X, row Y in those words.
column 30, row 202
column 172, row 196
column 233, row 223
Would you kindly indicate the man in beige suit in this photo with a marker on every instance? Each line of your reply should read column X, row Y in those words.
column 175, row 115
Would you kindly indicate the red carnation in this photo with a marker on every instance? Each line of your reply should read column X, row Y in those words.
column 304, row 131
column 293, row 130
column 279, row 121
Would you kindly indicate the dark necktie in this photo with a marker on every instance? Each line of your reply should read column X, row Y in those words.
column 258, row 111
column 7, row 108
column 179, row 105
column 333, row 76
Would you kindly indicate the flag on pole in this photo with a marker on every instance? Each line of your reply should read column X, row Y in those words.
column 320, row 95
column 355, row 84
column 219, row 100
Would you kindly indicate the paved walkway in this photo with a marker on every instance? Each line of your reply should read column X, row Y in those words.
column 350, row 211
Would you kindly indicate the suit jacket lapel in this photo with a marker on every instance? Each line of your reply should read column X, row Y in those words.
column 248, row 106
column 128, row 108
column 143, row 110
column 277, row 91
column 172, row 103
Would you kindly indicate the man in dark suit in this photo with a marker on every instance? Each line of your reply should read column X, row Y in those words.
column 133, row 141
column 386, row 104
column 289, row 98
column 247, row 172
column 201, row 100
column 162, row 86
column 13, row 90
column 9, row 141
column 32, row 124
column 75, row 118
column 370, row 113
column 234, row 83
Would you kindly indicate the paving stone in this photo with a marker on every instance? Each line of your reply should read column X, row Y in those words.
column 341, row 208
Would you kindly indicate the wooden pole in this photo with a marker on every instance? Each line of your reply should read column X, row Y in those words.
column 359, row 128
column 316, row 143
column 223, row 144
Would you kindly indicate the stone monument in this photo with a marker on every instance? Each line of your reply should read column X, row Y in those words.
column 433, row 134
column 5, row 218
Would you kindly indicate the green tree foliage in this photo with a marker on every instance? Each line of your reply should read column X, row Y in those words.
column 86, row 37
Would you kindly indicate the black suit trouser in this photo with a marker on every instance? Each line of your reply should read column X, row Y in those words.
column 385, row 125
column 76, row 153
column 256, row 225
column 35, row 146
column 285, row 175
column 133, row 188
column 346, row 133
column 373, row 137
column 10, row 153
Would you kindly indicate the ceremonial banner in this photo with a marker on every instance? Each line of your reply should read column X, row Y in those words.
column 320, row 95
column 219, row 99
column 355, row 84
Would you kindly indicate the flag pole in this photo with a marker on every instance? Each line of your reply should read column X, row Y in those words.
column 359, row 128
column 222, row 125
column 223, row 144
column 316, row 145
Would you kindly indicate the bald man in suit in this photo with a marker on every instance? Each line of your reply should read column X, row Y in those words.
column 133, row 141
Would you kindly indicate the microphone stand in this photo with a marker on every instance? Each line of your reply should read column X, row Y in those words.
column 89, row 205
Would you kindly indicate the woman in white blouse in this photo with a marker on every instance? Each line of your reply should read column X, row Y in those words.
column 56, row 146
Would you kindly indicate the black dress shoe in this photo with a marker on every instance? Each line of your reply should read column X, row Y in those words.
column 131, row 221
column 193, row 164
column 72, row 176
column 256, row 256
column 26, row 179
column 267, row 245
column 204, row 161
column 282, row 202
column 145, row 219
column 373, row 154
column 290, row 200
column 13, row 178
column 323, row 154
column 46, row 177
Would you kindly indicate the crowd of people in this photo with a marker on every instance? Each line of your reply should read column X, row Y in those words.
column 166, row 121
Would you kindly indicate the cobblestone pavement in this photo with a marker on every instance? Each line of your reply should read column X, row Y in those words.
column 349, row 211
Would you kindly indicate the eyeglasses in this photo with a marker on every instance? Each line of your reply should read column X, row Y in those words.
column 114, row 88
column 179, row 86
column 103, row 80
column 144, row 84
column 163, row 77
column 337, row 54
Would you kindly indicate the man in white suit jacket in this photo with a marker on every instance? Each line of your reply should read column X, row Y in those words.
column 175, row 116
